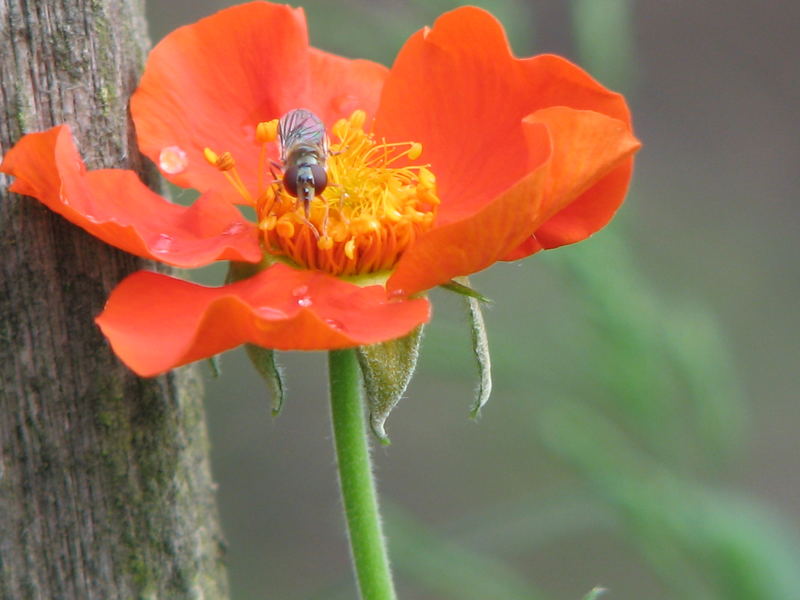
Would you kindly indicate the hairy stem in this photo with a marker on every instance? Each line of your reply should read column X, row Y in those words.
column 367, row 545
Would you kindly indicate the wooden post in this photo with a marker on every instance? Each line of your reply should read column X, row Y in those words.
column 105, row 486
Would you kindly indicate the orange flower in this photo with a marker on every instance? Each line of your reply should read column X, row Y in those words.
column 458, row 156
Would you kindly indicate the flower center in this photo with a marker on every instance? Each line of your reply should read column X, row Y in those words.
column 369, row 213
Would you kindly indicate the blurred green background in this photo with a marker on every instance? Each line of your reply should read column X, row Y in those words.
column 642, row 431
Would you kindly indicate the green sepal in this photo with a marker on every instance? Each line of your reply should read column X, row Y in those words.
column 480, row 349
column 214, row 366
column 263, row 360
column 387, row 369
column 462, row 288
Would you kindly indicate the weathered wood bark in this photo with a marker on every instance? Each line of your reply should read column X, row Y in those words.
column 105, row 488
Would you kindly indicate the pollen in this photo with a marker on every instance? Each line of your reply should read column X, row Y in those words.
column 376, row 203
column 267, row 131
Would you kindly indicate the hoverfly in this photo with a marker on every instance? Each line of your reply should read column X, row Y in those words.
column 304, row 150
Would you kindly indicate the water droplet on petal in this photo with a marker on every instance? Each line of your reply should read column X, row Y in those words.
column 234, row 229
column 268, row 312
column 397, row 295
column 300, row 290
column 172, row 160
column 305, row 301
column 335, row 324
column 163, row 243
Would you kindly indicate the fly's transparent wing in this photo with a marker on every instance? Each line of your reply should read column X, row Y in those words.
column 301, row 126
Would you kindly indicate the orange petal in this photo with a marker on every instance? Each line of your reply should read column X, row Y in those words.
column 116, row 207
column 210, row 83
column 458, row 89
column 340, row 86
column 587, row 179
column 588, row 213
column 155, row 322
column 476, row 241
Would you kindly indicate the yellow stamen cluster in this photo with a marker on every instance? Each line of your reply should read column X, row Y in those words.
column 374, row 207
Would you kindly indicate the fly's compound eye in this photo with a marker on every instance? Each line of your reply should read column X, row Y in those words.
column 290, row 180
column 320, row 179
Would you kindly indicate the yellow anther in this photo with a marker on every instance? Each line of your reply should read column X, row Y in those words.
column 427, row 178
column 210, row 156
column 394, row 215
column 365, row 225
column 340, row 128
column 267, row 131
column 284, row 228
column 415, row 151
column 338, row 231
column 358, row 118
column 268, row 224
column 225, row 161
column 350, row 249
column 325, row 243
column 425, row 195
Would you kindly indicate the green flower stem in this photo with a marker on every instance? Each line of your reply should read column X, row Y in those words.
column 367, row 545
